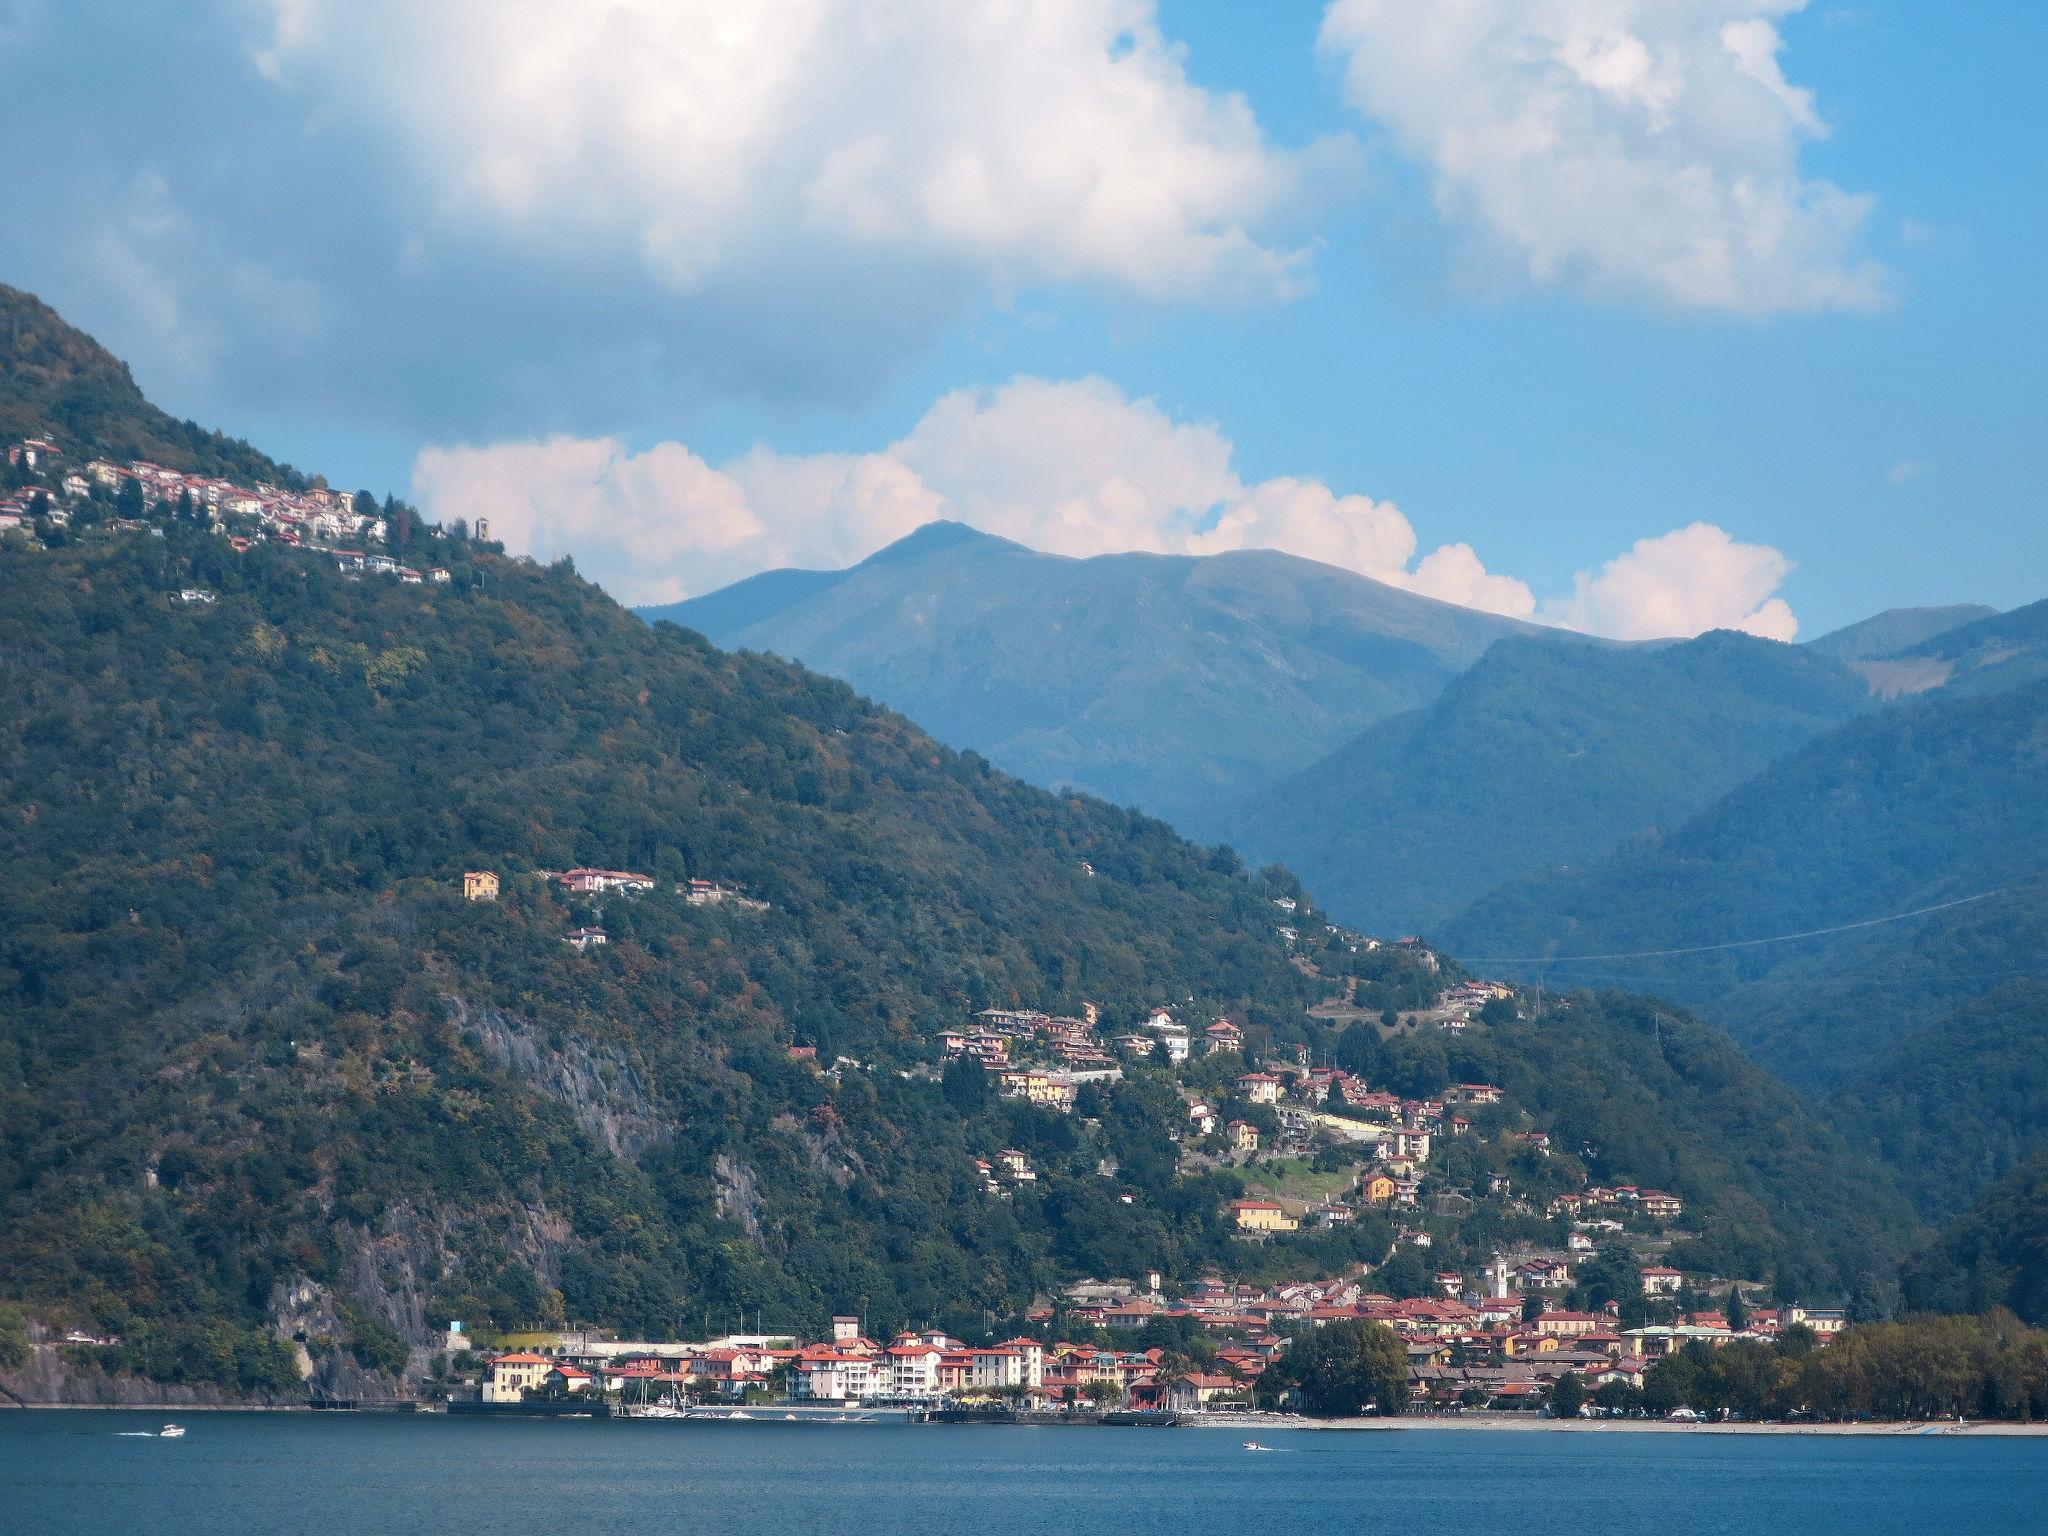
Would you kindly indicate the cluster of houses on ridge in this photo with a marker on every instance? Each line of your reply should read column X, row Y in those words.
column 243, row 514
column 484, row 885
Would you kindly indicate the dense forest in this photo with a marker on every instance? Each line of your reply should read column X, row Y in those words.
column 56, row 381
column 1993, row 1255
column 1934, row 799
column 1544, row 753
column 255, row 1041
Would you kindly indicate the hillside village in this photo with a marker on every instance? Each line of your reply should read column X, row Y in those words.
column 1464, row 1222
column 54, row 499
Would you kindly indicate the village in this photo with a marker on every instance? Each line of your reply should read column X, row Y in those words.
column 1495, row 1336
column 121, row 498
column 1502, row 1350
column 1308, row 1146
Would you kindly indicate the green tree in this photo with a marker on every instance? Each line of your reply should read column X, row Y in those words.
column 1567, row 1396
column 1346, row 1365
column 14, row 1346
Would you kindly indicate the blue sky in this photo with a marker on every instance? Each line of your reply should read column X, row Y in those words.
column 1342, row 329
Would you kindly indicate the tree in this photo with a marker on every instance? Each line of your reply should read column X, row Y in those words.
column 1345, row 1365
column 14, row 1346
column 965, row 1085
column 1738, row 1310
column 1567, row 1396
column 1532, row 1307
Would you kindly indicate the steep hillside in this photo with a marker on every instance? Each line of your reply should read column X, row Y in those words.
column 1961, row 1100
column 1543, row 754
column 1994, row 1255
column 262, row 1067
column 1894, row 630
column 1929, row 801
column 1985, row 655
column 56, row 381
column 1174, row 683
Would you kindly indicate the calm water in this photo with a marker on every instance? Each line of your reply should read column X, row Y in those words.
column 293, row 1473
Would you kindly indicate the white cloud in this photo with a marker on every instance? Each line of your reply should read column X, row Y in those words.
column 1904, row 470
column 1693, row 579
column 1060, row 140
column 1637, row 149
column 1071, row 467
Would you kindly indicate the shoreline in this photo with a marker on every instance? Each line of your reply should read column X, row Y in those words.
column 1536, row 1423
column 1411, row 1424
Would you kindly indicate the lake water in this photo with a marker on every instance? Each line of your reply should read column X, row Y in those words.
column 293, row 1473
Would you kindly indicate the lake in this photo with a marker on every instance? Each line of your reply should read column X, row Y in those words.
column 333, row 1474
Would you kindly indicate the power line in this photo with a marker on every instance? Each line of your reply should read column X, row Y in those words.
column 1702, row 949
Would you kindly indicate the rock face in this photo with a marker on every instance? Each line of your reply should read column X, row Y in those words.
column 52, row 1378
column 599, row 1085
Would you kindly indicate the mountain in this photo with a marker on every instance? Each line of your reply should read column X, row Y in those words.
column 1543, row 754
column 1932, row 800
column 264, row 1071
column 276, row 1098
column 1174, row 683
column 1894, row 630
column 1982, row 656
column 1993, row 1255
column 57, row 382
column 1962, row 1100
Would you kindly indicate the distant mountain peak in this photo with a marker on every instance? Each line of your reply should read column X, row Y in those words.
column 935, row 537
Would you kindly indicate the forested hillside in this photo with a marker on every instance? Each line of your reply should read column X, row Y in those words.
column 256, row 1048
column 1543, row 754
column 1994, row 1255
column 57, row 381
column 1961, row 1100
column 1932, row 800
column 1174, row 683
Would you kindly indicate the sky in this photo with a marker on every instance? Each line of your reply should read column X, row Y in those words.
column 1637, row 316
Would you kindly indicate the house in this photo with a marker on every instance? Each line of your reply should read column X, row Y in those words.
column 1657, row 1203
column 1569, row 1325
column 1376, row 1188
column 1476, row 1093
column 591, row 882
column 569, row 1378
column 1261, row 1216
column 510, row 1377
column 1259, row 1088
column 1017, row 1166
column 1244, row 1136
column 1824, row 1321
column 1406, row 1144
column 1222, row 1036
column 479, row 885
column 1203, row 1119
column 586, row 939
column 1660, row 1281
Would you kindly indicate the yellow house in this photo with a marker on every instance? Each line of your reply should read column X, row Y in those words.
column 513, row 1376
column 1244, row 1136
column 1262, row 1216
column 479, row 885
column 1378, row 1188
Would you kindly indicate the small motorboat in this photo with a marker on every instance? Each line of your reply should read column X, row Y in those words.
column 170, row 1432
column 1253, row 1445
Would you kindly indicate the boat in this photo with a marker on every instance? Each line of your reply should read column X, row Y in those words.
column 170, row 1432
column 1253, row 1445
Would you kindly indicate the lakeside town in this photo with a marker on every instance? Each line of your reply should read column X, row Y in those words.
column 1568, row 1302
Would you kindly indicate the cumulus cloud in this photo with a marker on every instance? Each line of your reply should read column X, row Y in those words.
column 1072, row 467
column 1055, row 141
column 1636, row 149
column 1693, row 579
